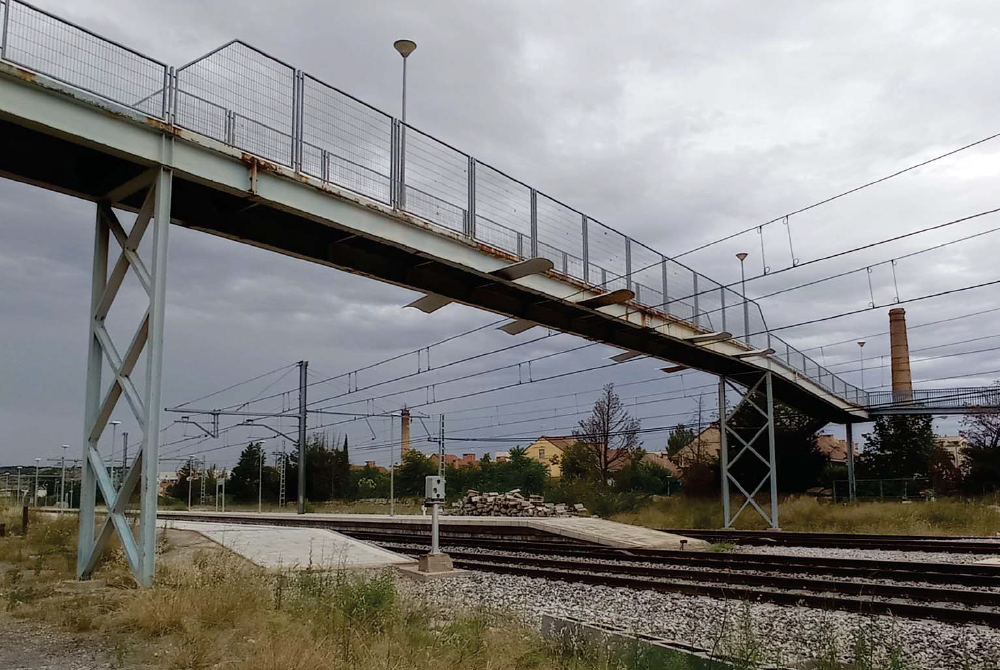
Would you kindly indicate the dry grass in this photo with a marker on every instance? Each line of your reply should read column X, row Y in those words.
column 803, row 513
column 218, row 611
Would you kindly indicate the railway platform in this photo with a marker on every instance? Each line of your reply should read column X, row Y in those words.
column 281, row 547
column 574, row 530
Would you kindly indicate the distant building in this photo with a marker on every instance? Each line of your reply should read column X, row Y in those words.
column 370, row 464
column 704, row 448
column 166, row 479
column 663, row 460
column 501, row 456
column 953, row 444
column 835, row 449
column 548, row 450
column 465, row 460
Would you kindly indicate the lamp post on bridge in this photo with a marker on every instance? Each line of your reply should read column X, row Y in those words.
column 861, row 353
column 743, row 289
column 405, row 48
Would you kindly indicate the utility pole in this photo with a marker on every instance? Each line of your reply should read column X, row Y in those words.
column 121, row 473
column 62, row 479
column 114, row 438
column 392, row 470
column 203, row 479
column 441, row 449
column 34, row 495
column 303, row 371
column 260, row 480
column 190, row 473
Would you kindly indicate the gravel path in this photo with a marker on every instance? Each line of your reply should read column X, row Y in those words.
column 30, row 645
column 793, row 633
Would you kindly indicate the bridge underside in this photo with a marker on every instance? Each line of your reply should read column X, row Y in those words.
column 42, row 159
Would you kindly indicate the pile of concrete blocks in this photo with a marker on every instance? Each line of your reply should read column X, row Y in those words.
column 511, row 503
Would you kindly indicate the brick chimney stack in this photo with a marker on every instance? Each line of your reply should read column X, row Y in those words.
column 899, row 349
column 404, row 437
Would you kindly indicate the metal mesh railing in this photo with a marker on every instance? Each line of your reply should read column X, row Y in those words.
column 252, row 101
column 345, row 141
column 890, row 401
column 241, row 96
column 40, row 41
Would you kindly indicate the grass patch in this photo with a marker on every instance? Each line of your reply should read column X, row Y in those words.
column 948, row 516
column 221, row 612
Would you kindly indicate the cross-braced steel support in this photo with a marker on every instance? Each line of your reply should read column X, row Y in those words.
column 750, row 425
column 153, row 216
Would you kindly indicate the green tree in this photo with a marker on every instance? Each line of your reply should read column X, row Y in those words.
column 610, row 434
column 411, row 474
column 799, row 462
column 680, row 437
column 898, row 447
column 245, row 479
column 319, row 470
column 981, row 464
column 342, row 472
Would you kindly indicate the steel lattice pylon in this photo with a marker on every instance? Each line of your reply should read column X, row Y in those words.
column 153, row 216
column 750, row 392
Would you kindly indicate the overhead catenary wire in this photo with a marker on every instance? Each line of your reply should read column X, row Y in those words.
column 830, row 199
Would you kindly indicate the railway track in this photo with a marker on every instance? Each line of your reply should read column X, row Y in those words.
column 925, row 543
column 953, row 605
column 949, row 592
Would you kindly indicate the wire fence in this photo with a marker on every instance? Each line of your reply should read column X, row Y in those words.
column 246, row 98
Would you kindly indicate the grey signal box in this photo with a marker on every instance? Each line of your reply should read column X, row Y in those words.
column 434, row 488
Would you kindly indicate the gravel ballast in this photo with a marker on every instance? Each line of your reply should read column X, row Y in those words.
column 793, row 633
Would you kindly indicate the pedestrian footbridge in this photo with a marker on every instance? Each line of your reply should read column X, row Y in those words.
column 244, row 146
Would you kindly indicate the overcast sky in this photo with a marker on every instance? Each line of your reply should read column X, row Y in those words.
column 675, row 123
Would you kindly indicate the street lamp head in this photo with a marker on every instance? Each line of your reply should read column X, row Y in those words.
column 38, row 460
column 861, row 343
column 405, row 47
column 742, row 256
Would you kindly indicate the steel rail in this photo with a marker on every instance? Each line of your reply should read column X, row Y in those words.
column 893, row 591
column 845, row 540
column 862, row 605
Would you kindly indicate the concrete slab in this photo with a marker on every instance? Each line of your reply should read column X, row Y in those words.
column 989, row 561
column 614, row 534
column 276, row 547
column 585, row 529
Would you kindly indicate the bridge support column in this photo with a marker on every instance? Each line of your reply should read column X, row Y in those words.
column 750, row 427
column 153, row 216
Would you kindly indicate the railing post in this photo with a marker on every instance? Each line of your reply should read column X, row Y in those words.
column 663, row 278
column 324, row 168
column 471, row 224
column 394, row 164
column 565, row 263
column 6, row 23
column 586, row 250
column 520, row 245
column 697, row 315
column 296, row 108
column 534, row 223
column 168, row 75
column 628, row 263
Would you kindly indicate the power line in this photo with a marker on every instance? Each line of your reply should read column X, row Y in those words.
column 229, row 388
column 938, row 322
column 868, row 309
column 838, row 254
column 783, row 217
